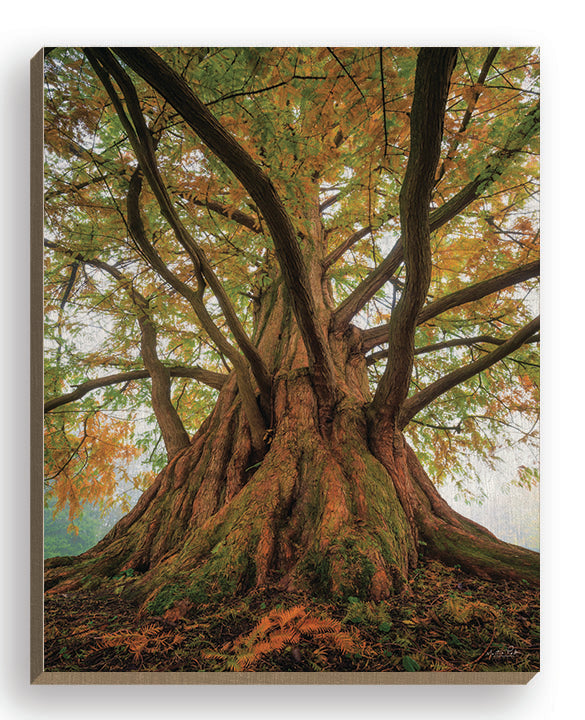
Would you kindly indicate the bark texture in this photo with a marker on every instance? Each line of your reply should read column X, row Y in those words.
column 338, row 513
column 299, row 478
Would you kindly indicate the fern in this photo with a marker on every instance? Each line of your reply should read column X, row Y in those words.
column 148, row 639
column 462, row 611
column 282, row 630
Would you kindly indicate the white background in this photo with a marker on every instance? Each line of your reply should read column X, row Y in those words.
column 557, row 27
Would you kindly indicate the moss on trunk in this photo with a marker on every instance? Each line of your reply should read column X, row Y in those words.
column 336, row 514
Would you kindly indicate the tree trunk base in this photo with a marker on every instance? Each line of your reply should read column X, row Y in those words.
column 341, row 516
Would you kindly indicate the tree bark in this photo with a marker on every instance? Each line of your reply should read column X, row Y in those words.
column 173, row 432
column 378, row 335
column 261, row 189
column 495, row 166
column 336, row 514
column 421, row 399
column 207, row 377
column 431, row 87
column 320, row 492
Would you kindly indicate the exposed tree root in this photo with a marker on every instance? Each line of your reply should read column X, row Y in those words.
column 336, row 516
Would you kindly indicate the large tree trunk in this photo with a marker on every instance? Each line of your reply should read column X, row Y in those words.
column 338, row 506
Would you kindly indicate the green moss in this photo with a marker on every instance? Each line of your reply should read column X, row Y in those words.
column 355, row 567
column 224, row 575
column 166, row 597
column 315, row 568
column 91, row 583
column 494, row 559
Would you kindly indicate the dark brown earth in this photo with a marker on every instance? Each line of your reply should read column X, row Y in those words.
column 446, row 622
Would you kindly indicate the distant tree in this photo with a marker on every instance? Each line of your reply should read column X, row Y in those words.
column 331, row 255
column 65, row 538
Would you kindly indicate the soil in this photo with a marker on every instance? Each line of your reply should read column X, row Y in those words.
column 446, row 621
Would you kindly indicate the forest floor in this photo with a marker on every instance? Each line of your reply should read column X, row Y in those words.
column 448, row 622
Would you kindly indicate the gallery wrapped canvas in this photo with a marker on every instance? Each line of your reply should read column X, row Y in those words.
column 288, row 294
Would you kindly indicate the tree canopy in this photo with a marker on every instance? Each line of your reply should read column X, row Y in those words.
column 183, row 183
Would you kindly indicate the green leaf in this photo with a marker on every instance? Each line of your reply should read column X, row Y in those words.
column 409, row 664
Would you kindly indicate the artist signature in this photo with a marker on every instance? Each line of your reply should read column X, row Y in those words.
column 505, row 653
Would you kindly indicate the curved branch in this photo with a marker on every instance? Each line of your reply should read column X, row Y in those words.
column 378, row 335
column 479, row 290
column 494, row 168
column 207, row 377
column 173, row 431
column 251, row 409
column 142, row 143
column 152, row 68
column 175, row 437
column 329, row 201
column 238, row 216
column 431, row 87
column 369, row 286
column 423, row 398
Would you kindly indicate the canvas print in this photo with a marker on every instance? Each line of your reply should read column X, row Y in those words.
column 291, row 337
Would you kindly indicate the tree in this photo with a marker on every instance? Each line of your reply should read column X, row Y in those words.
column 61, row 539
column 336, row 252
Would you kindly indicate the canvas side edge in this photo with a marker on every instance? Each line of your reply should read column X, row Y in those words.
column 36, row 365
column 280, row 678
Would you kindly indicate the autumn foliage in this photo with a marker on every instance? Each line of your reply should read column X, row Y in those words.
column 288, row 292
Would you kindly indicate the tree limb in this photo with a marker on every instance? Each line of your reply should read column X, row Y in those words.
column 456, row 342
column 494, row 168
column 381, row 61
column 141, row 140
column 181, row 97
column 238, row 216
column 431, row 87
column 330, row 201
column 207, row 377
column 337, row 252
column 417, row 402
column 173, row 431
column 378, row 335
column 251, row 409
column 477, row 88
column 479, row 290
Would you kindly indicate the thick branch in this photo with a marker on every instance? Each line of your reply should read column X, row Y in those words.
column 479, row 290
column 330, row 201
column 181, row 97
column 369, row 286
column 493, row 169
column 136, row 227
column 378, row 335
column 173, row 431
column 423, row 398
column 433, row 347
column 143, row 145
column 207, row 377
column 253, row 414
column 431, row 87
column 526, row 128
